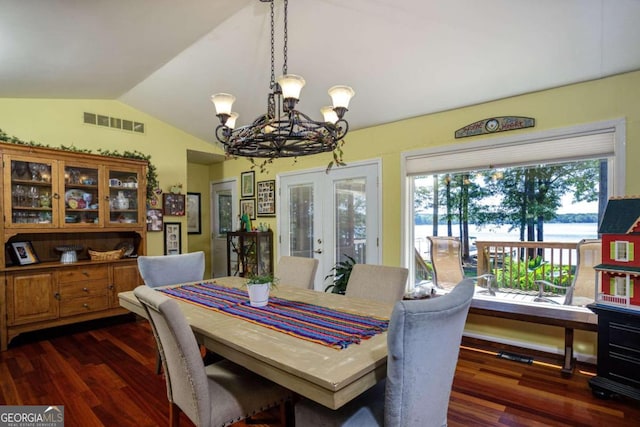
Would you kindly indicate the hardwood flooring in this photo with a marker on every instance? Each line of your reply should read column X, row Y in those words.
column 103, row 374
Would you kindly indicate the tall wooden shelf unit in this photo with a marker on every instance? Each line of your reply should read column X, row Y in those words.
column 249, row 252
column 53, row 199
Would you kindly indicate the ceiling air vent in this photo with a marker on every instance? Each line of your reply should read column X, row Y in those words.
column 113, row 122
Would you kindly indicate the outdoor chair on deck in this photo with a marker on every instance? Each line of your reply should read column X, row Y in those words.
column 377, row 282
column 165, row 270
column 583, row 287
column 296, row 271
column 446, row 261
column 215, row 395
column 423, row 344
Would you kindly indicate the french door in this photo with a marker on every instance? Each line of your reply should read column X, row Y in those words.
column 224, row 211
column 328, row 216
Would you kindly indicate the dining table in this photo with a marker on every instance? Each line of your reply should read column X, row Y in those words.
column 327, row 375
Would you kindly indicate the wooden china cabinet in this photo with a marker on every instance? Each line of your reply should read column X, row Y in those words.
column 56, row 205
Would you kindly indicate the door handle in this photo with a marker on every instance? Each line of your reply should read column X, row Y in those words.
column 317, row 251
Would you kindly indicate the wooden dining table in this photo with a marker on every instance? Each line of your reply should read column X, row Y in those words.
column 329, row 376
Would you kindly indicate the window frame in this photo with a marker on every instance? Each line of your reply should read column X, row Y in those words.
column 497, row 147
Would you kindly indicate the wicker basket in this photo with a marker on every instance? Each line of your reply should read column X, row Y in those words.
column 106, row 255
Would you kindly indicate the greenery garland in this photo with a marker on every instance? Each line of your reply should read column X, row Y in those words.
column 152, row 175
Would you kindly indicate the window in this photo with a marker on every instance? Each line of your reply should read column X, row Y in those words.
column 500, row 189
column 621, row 251
column 619, row 287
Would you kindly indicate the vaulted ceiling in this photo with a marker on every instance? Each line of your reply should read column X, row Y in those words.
column 404, row 58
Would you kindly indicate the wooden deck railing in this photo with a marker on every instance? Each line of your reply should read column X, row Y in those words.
column 517, row 265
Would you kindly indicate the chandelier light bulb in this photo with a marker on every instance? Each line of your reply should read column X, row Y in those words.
column 329, row 114
column 291, row 86
column 223, row 103
column 340, row 96
column 231, row 121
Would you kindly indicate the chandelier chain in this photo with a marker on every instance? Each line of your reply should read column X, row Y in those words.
column 286, row 37
column 272, row 83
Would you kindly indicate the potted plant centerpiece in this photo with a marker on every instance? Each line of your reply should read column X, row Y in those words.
column 258, row 286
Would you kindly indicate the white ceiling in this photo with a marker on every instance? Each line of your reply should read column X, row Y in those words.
column 404, row 58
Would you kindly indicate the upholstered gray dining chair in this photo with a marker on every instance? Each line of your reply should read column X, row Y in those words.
column 215, row 395
column 423, row 343
column 171, row 269
column 297, row 271
column 377, row 282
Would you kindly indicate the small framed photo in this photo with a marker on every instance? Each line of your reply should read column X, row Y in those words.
column 154, row 220
column 248, row 206
column 173, row 204
column 172, row 238
column 22, row 253
column 247, row 183
column 267, row 198
column 194, row 222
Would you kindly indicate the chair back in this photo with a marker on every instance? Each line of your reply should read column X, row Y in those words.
column 171, row 269
column 377, row 282
column 187, row 384
column 423, row 343
column 446, row 261
column 583, row 289
column 296, row 271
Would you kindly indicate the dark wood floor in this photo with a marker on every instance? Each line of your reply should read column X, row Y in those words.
column 103, row 375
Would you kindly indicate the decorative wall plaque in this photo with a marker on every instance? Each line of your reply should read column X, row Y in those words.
column 495, row 124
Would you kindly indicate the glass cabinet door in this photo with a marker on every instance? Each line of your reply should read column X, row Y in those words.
column 81, row 195
column 125, row 204
column 29, row 198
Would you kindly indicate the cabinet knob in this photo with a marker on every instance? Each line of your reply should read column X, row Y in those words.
column 85, row 305
column 56, row 196
column 111, row 287
column 85, row 273
column 57, row 296
column 85, row 289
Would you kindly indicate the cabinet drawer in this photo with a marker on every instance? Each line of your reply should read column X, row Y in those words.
column 86, row 288
column 83, row 273
column 625, row 335
column 83, row 305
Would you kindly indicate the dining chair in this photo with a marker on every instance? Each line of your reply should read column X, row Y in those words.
column 423, row 343
column 219, row 394
column 582, row 290
column 171, row 270
column 446, row 262
column 296, row 271
column 377, row 282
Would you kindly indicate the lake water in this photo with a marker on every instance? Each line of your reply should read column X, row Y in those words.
column 556, row 232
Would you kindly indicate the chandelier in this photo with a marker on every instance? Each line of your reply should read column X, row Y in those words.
column 283, row 131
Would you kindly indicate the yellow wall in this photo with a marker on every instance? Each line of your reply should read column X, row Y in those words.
column 60, row 122
column 605, row 99
column 198, row 178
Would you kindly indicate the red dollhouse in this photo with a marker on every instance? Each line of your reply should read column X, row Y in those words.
column 620, row 269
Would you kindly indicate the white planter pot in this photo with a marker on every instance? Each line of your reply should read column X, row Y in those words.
column 259, row 294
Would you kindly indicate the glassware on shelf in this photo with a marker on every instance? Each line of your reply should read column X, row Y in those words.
column 34, row 195
column 18, row 194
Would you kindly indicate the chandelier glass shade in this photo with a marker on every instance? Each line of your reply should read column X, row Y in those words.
column 283, row 131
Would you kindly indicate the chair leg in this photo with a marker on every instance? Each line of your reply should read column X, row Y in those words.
column 174, row 415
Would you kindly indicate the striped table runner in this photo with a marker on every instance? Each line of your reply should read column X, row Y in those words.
column 333, row 328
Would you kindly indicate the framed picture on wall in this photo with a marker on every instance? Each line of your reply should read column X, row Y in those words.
column 248, row 206
column 172, row 238
column 266, row 198
column 194, row 221
column 173, row 204
column 154, row 220
column 247, row 184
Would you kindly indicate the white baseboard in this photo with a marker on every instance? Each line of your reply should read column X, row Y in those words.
column 586, row 358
